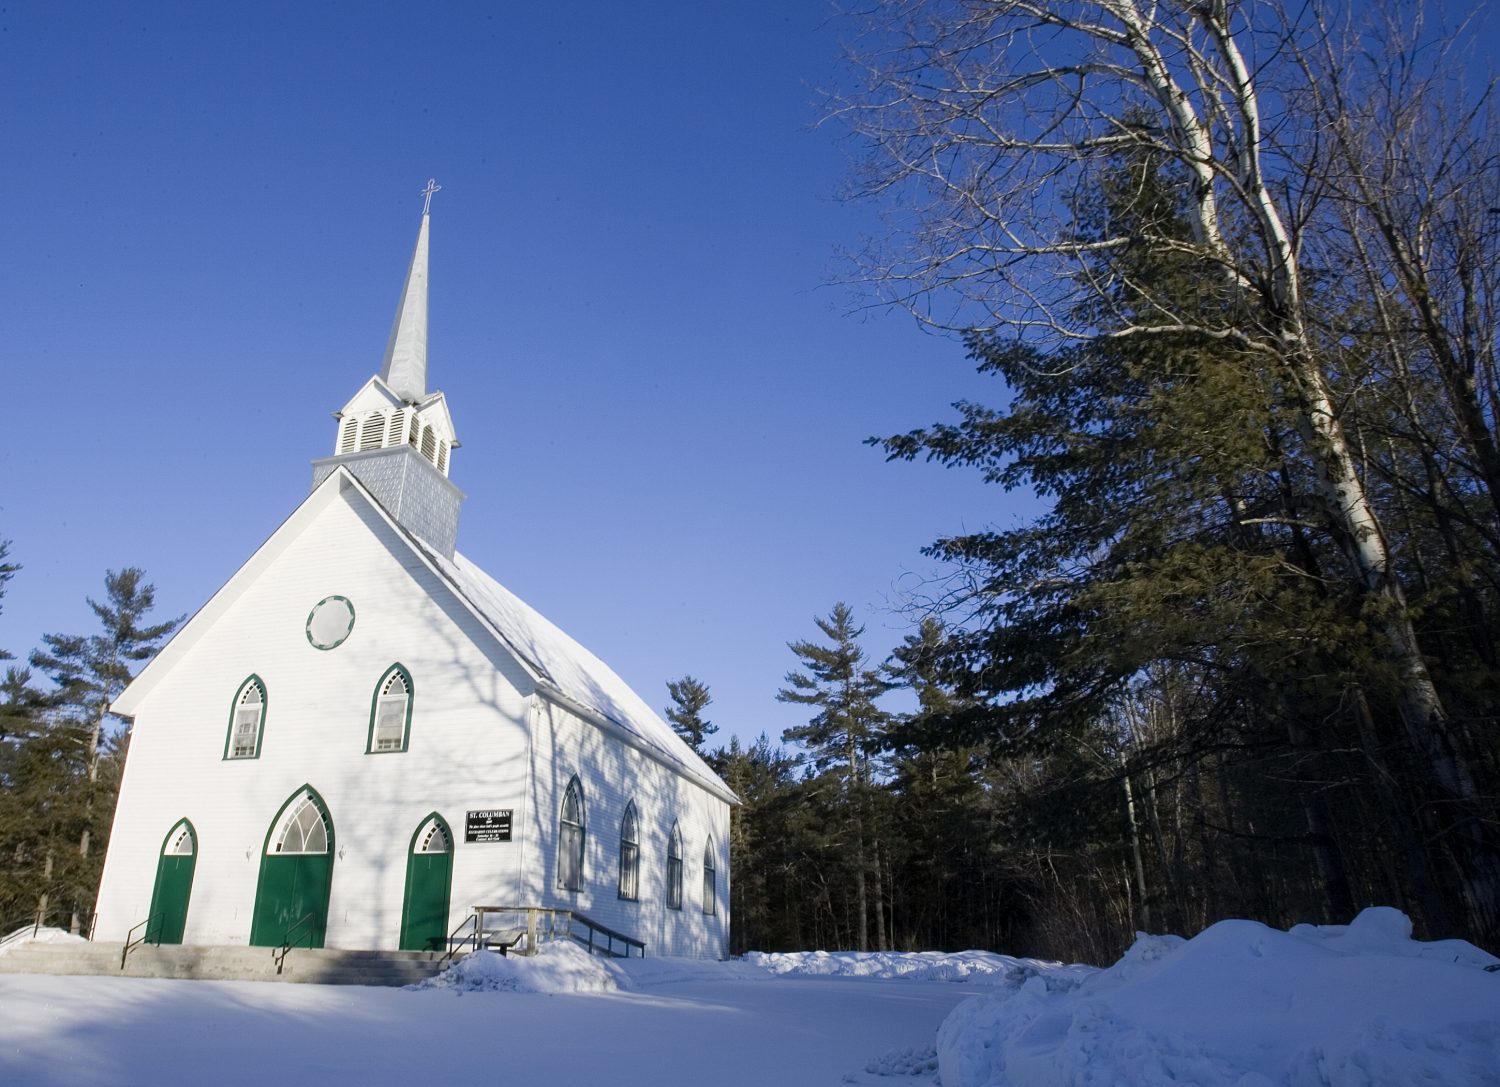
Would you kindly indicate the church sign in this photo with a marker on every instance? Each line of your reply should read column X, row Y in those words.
column 490, row 825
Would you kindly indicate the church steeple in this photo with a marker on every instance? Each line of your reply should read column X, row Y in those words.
column 405, row 365
column 394, row 435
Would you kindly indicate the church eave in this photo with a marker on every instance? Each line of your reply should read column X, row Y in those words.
column 338, row 481
column 631, row 738
column 198, row 623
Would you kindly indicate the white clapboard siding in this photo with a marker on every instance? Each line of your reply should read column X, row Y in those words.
column 484, row 734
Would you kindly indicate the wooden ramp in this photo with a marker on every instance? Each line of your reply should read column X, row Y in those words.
column 523, row 929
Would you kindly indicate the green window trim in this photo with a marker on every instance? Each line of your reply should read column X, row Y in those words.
column 371, row 746
column 312, row 794
column 234, row 708
column 307, row 628
column 181, row 824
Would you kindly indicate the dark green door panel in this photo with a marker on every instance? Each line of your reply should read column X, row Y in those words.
column 292, row 886
column 424, row 915
column 169, row 898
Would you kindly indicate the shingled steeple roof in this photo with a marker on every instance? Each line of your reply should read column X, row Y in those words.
column 405, row 366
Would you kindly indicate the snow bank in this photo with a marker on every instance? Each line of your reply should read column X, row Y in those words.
column 1243, row 1005
column 41, row 936
column 560, row 967
column 647, row 973
column 975, row 967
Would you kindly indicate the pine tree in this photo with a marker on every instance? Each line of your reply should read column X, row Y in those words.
column 938, row 786
column 843, row 737
column 769, row 854
column 689, row 699
column 90, row 671
column 1184, row 538
column 38, row 802
column 7, row 571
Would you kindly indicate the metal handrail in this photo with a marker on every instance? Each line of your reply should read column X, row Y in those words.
column 455, row 941
column 280, row 954
column 13, row 930
column 610, row 936
column 131, row 943
column 565, row 931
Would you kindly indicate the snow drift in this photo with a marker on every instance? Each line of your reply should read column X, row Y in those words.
column 1244, row 1005
column 974, row 967
column 29, row 935
column 559, row 967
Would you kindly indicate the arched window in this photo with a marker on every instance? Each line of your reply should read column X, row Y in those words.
column 305, row 830
column 429, row 444
column 570, row 830
column 247, row 718
column 674, row 869
column 630, row 855
column 180, row 841
column 710, row 882
column 442, row 457
column 348, row 432
column 432, row 837
column 390, row 711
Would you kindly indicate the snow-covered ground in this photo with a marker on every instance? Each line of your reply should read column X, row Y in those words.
column 1240, row 1005
column 678, row 1022
column 1243, row 1005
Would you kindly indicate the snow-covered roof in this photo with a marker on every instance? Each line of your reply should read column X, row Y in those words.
column 568, row 668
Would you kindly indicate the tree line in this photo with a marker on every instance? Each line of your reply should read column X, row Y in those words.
column 1236, row 268
column 62, row 752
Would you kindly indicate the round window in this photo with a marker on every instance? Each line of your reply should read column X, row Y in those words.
column 330, row 622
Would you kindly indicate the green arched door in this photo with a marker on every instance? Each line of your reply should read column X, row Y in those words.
column 174, row 885
column 429, row 879
column 296, row 875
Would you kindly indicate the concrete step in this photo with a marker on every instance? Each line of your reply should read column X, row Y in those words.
column 323, row 966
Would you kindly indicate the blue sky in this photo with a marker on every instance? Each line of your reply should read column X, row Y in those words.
column 208, row 213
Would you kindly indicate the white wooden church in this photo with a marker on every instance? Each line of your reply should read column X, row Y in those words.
column 364, row 736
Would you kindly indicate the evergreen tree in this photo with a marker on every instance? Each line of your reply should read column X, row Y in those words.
column 39, row 804
column 1183, row 575
column 1251, row 367
column 842, row 738
column 689, row 699
column 768, row 847
column 90, row 671
column 7, row 571
column 948, row 890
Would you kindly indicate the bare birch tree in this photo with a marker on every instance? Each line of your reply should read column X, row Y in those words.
column 987, row 122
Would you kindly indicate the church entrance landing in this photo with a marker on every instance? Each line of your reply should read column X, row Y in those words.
column 296, row 875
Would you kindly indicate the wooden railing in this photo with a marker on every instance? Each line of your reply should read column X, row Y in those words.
column 132, row 941
column 543, row 923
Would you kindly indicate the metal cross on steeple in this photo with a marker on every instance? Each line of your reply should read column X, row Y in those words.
column 432, row 187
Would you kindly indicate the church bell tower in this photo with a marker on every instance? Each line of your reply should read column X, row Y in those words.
column 395, row 436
